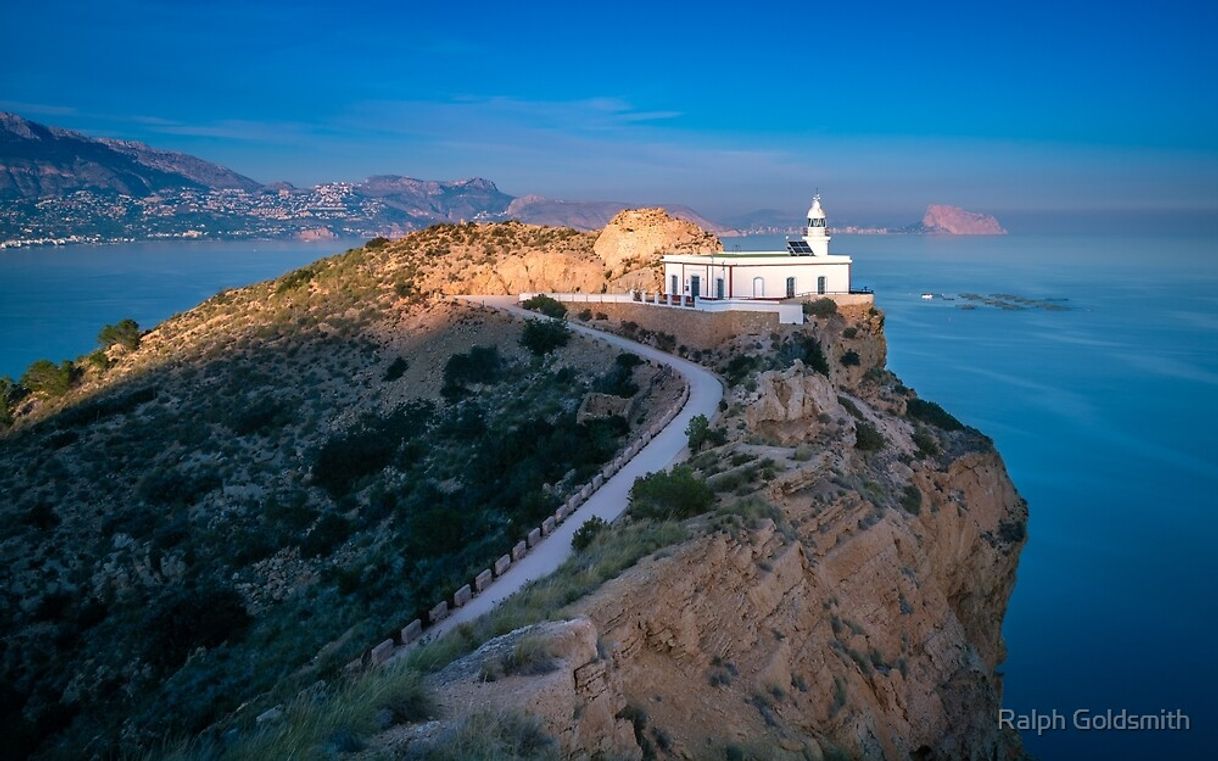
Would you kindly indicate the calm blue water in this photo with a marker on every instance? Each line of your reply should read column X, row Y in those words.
column 53, row 301
column 1107, row 418
column 1105, row 414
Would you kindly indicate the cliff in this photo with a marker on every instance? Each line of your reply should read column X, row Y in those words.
column 844, row 600
column 952, row 220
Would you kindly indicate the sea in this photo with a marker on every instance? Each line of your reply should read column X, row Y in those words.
column 1090, row 358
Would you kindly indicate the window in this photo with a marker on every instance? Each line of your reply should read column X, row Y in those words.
column 820, row 284
column 790, row 287
column 673, row 289
column 695, row 286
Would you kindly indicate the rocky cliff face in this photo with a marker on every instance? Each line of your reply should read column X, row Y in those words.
column 511, row 258
column 632, row 243
column 952, row 220
column 858, row 615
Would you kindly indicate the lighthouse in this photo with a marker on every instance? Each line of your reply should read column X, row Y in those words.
column 817, row 234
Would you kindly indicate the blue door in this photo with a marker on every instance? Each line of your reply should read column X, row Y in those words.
column 695, row 286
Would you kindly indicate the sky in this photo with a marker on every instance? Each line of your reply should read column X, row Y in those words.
column 1012, row 108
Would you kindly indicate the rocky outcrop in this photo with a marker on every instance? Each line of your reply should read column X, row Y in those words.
column 792, row 405
column 952, row 220
column 631, row 245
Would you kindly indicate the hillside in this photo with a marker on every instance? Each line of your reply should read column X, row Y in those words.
column 239, row 505
column 38, row 161
column 207, row 526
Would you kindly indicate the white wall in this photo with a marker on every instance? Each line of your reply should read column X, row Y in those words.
column 773, row 276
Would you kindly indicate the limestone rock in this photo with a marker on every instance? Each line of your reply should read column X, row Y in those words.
column 636, row 238
column 790, row 404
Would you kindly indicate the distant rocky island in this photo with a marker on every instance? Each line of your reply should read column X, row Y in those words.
column 941, row 219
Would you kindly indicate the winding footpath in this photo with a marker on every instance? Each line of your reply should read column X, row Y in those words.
column 607, row 502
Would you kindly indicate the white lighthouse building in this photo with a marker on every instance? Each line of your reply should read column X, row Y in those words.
column 805, row 268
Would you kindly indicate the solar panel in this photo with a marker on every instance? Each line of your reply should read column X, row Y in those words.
column 799, row 247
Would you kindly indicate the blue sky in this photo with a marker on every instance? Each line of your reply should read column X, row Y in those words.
column 1003, row 107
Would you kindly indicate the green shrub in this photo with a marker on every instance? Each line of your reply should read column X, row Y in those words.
column 397, row 368
column 587, row 532
column 194, row 618
column 698, row 431
column 667, row 495
column 331, row 531
column 739, row 367
column 851, row 358
column 480, row 365
column 47, row 378
column 929, row 412
column 825, row 307
column 544, row 336
column 367, row 447
column 806, row 349
column 98, row 359
column 125, row 333
column 619, row 381
column 547, row 305
column 926, row 443
column 167, row 487
column 585, row 315
column 911, row 499
column 866, row 437
column 297, row 278
column 264, row 413
column 377, row 242
column 9, row 395
column 850, row 332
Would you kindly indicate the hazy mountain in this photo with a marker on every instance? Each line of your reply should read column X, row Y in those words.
column 592, row 215
column 38, row 161
column 768, row 221
column 436, row 200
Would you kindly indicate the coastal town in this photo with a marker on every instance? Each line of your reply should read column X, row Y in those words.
column 328, row 210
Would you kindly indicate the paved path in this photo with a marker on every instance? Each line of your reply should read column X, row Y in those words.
column 610, row 500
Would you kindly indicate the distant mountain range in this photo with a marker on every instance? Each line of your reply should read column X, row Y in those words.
column 40, row 161
column 60, row 186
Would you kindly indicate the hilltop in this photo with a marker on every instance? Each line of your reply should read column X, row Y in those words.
column 214, row 516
